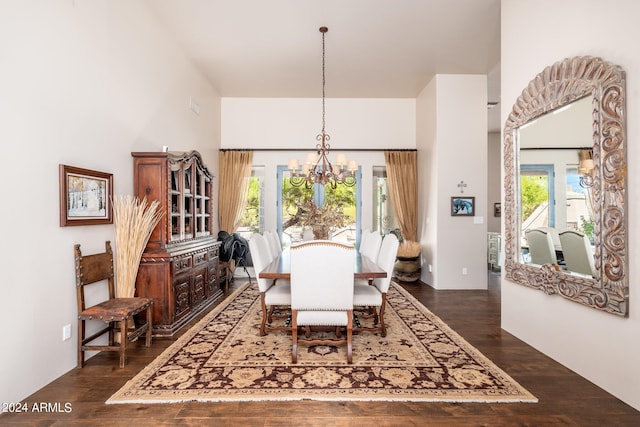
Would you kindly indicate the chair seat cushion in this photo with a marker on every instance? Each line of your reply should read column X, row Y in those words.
column 116, row 309
column 323, row 318
column 366, row 295
column 278, row 294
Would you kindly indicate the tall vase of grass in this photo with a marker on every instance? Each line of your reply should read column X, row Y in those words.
column 134, row 220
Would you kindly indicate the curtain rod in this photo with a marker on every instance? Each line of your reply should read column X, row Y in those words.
column 313, row 149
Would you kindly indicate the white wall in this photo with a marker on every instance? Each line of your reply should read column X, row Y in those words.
column 601, row 347
column 428, row 175
column 293, row 123
column 83, row 83
column 459, row 105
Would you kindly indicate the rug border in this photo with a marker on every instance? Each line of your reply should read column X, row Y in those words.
column 524, row 395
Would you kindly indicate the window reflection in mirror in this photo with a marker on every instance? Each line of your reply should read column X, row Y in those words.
column 550, row 191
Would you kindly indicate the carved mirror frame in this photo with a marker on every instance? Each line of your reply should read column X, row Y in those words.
column 558, row 85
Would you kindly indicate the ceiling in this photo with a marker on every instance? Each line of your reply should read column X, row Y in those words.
column 374, row 48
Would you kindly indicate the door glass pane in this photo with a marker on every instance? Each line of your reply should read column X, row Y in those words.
column 252, row 220
column 290, row 198
column 579, row 204
column 343, row 197
column 537, row 200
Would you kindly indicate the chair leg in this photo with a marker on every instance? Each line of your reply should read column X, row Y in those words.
column 294, row 336
column 264, row 315
column 123, row 342
column 80, row 339
column 349, row 336
column 149, row 326
column 382, row 307
column 112, row 333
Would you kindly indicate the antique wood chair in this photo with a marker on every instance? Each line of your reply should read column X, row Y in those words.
column 116, row 312
column 322, row 292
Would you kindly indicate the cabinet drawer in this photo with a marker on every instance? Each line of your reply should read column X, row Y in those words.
column 213, row 253
column 181, row 265
column 200, row 258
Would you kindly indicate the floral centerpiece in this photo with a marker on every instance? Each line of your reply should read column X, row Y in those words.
column 322, row 219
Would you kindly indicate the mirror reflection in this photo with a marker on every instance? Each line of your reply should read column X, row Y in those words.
column 556, row 203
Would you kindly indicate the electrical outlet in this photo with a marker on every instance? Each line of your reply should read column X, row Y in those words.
column 430, row 268
column 66, row 332
column 464, row 271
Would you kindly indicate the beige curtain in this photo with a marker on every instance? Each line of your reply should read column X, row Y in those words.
column 235, row 173
column 402, row 178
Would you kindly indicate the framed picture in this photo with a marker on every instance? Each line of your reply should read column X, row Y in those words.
column 85, row 196
column 463, row 206
column 497, row 209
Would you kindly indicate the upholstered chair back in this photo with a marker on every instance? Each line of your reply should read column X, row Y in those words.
column 322, row 276
column 386, row 260
column 577, row 252
column 259, row 248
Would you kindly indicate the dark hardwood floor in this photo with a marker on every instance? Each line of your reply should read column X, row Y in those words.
column 564, row 397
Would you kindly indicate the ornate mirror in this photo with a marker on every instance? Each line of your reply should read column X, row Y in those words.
column 598, row 167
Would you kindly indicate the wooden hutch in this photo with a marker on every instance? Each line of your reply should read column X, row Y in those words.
column 179, row 267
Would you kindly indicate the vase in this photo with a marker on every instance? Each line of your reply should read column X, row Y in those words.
column 407, row 269
column 320, row 232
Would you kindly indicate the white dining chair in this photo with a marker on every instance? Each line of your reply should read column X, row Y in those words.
column 370, row 244
column 577, row 252
column 374, row 295
column 272, row 294
column 541, row 247
column 275, row 246
column 322, row 292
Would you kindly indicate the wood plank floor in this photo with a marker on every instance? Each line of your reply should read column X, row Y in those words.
column 564, row 398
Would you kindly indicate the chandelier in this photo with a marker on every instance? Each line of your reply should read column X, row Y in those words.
column 317, row 169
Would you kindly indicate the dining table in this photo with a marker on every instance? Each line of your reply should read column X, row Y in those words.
column 279, row 268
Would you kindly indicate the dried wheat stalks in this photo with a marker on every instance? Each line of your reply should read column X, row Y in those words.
column 134, row 221
column 409, row 249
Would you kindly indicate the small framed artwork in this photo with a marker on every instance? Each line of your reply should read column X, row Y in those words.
column 85, row 196
column 463, row 206
column 497, row 209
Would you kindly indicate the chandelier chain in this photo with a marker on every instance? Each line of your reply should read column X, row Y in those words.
column 320, row 170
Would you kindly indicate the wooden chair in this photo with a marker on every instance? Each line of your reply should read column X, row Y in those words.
column 116, row 312
column 322, row 292
column 374, row 293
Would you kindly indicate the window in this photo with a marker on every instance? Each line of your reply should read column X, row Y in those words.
column 252, row 220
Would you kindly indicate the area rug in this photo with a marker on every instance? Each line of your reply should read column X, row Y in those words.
column 223, row 358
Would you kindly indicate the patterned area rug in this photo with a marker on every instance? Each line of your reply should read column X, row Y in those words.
column 223, row 358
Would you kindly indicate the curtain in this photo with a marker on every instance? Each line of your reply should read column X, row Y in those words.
column 235, row 173
column 402, row 179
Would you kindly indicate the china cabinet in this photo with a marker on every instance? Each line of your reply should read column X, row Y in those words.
column 179, row 267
